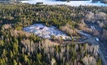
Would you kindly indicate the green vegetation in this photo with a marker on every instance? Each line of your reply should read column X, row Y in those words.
column 18, row 47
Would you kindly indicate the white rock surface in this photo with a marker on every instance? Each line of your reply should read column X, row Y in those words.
column 45, row 32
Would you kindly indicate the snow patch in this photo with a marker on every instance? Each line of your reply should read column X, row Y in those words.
column 45, row 32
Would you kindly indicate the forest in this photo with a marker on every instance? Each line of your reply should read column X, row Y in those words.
column 21, row 48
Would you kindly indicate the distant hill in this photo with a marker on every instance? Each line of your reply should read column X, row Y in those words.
column 72, row 0
column 9, row 0
column 103, row 1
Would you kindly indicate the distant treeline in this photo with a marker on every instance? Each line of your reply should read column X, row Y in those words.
column 103, row 1
column 72, row 0
column 11, row 0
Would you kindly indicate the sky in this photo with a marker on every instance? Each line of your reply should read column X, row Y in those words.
column 71, row 3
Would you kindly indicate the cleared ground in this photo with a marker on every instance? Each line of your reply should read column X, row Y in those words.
column 46, row 32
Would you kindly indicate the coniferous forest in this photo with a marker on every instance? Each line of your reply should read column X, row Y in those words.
column 21, row 48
